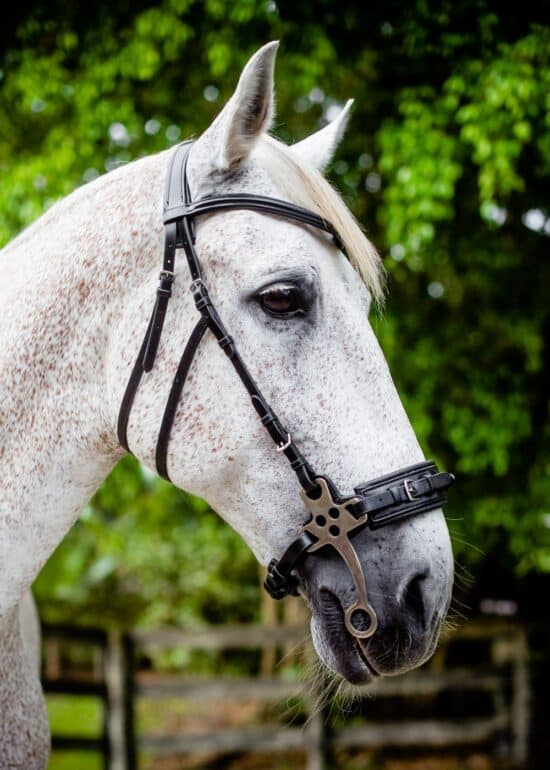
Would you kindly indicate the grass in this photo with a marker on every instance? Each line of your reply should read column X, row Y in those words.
column 75, row 760
column 80, row 716
column 75, row 715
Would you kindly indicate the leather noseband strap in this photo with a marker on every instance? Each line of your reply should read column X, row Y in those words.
column 334, row 518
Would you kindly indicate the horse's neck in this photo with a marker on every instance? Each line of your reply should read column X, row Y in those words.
column 63, row 285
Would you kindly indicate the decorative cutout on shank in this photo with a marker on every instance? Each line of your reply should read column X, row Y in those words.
column 331, row 524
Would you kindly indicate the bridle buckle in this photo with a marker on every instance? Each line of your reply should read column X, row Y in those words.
column 197, row 283
column 408, row 490
column 284, row 445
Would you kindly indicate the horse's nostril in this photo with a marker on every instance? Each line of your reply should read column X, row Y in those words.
column 326, row 596
column 412, row 600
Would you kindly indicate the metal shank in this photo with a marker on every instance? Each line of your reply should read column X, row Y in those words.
column 331, row 524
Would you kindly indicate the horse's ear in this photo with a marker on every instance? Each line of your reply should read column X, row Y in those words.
column 319, row 148
column 246, row 115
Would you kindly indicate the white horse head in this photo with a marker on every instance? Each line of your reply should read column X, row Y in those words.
column 299, row 314
column 77, row 287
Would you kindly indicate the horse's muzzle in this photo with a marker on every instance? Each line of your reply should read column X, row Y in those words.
column 335, row 519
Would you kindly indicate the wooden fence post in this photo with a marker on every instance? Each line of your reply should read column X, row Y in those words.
column 269, row 618
column 315, row 741
column 520, row 702
column 129, row 700
column 509, row 723
column 316, row 729
column 120, row 695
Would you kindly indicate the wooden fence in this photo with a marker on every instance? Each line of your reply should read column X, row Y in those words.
column 120, row 684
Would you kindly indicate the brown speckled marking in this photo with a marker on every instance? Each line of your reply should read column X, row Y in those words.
column 76, row 289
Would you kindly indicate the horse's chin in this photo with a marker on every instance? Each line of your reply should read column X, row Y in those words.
column 336, row 648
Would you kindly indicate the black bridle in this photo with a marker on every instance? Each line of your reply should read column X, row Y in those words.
column 334, row 517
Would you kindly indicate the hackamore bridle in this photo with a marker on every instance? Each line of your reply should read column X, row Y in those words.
column 334, row 517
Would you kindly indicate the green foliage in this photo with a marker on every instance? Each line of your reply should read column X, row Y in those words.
column 489, row 123
column 446, row 162
column 485, row 113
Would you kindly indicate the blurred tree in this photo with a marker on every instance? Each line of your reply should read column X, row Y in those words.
column 446, row 162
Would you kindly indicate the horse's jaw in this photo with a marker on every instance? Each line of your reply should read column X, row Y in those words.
column 409, row 592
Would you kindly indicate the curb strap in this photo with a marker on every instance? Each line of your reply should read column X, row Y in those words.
column 334, row 518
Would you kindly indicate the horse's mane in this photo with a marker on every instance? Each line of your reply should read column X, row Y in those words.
column 306, row 186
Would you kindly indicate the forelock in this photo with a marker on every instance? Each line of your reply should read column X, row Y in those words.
column 306, row 186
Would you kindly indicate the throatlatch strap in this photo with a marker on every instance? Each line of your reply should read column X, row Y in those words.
column 176, row 188
column 149, row 347
column 164, row 292
column 130, row 392
column 175, row 392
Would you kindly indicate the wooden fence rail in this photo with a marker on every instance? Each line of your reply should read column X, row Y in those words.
column 119, row 685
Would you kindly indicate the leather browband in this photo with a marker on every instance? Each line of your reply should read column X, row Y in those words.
column 391, row 498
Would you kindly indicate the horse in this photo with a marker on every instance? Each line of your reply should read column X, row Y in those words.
column 75, row 292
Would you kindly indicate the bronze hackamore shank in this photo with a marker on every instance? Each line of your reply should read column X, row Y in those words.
column 331, row 524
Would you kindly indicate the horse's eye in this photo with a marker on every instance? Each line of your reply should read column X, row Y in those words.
column 282, row 301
